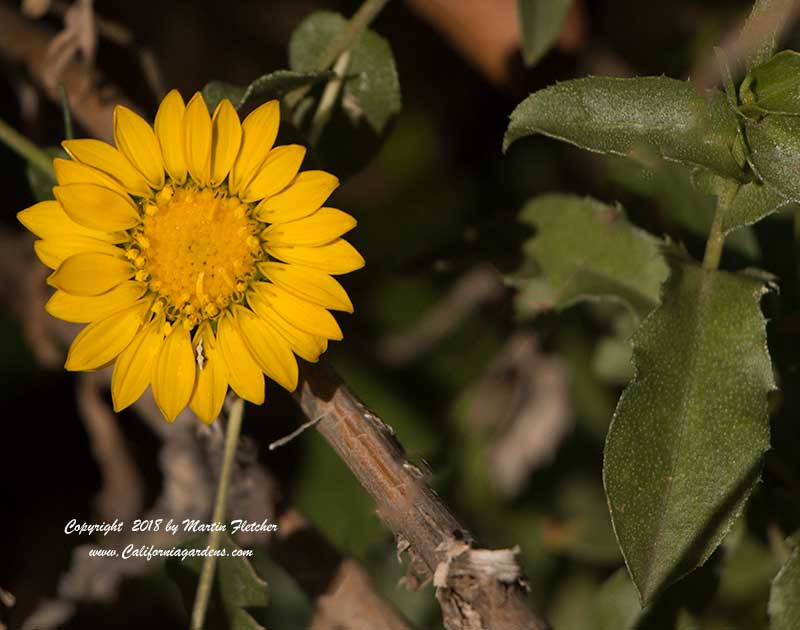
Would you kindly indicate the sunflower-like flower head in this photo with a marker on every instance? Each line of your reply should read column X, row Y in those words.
column 196, row 252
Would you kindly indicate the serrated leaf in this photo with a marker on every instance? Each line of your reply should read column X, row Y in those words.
column 540, row 24
column 685, row 444
column 775, row 85
column 625, row 116
column 588, row 250
column 266, row 87
column 237, row 589
column 371, row 85
column 775, row 153
column 616, row 603
column 784, row 598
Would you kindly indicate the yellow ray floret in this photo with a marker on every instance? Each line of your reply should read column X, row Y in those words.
column 198, row 254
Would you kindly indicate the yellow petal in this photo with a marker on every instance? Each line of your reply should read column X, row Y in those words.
column 169, row 131
column 133, row 369
column 47, row 219
column 334, row 258
column 306, row 316
column 306, row 193
column 135, row 138
column 324, row 226
column 90, row 274
column 174, row 375
column 310, row 284
column 98, row 344
column 226, row 136
column 303, row 344
column 97, row 208
column 82, row 310
column 269, row 349
column 212, row 378
column 72, row 172
column 197, row 139
column 54, row 251
column 245, row 376
column 109, row 160
column 259, row 131
column 277, row 172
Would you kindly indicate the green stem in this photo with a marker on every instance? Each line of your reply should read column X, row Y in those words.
column 340, row 44
column 26, row 149
column 344, row 40
column 210, row 561
column 328, row 99
column 716, row 239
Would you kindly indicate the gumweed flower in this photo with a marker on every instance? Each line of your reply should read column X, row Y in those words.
column 197, row 252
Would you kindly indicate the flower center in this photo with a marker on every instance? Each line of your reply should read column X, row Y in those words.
column 198, row 251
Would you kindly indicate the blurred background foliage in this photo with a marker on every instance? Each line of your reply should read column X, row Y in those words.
column 440, row 345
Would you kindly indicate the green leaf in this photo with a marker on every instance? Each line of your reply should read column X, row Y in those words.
column 616, row 604
column 762, row 28
column 685, row 444
column 775, row 85
column 237, row 589
column 628, row 116
column 748, row 566
column 753, row 202
column 540, row 24
column 266, row 87
column 587, row 250
column 775, row 153
column 670, row 186
column 372, row 88
column 784, row 598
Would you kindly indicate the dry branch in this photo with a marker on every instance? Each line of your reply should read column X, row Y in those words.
column 27, row 44
column 478, row 589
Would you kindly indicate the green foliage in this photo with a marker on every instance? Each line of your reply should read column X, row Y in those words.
column 540, row 24
column 629, row 116
column 774, row 86
column 784, row 600
column 670, row 186
column 753, row 202
column 372, row 89
column 584, row 249
column 762, row 28
column 266, row 87
column 684, row 447
column 616, row 604
column 367, row 103
column 775, row 153
column 237, row 594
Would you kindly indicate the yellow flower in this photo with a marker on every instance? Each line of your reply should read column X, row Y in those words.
column 197, row 254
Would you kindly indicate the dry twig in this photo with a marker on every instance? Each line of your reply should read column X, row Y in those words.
column 481, row 594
